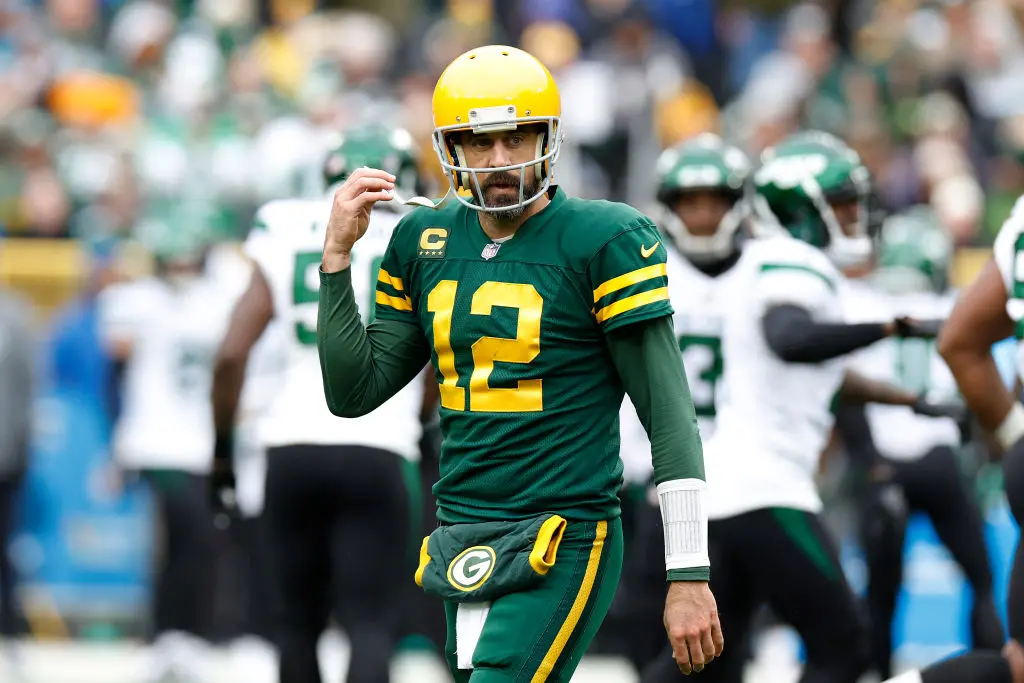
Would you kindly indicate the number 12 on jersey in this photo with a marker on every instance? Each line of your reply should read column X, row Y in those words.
column 527, row 395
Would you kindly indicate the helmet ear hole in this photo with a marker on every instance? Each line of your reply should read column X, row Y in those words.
column 455, row 152
column 541, row 169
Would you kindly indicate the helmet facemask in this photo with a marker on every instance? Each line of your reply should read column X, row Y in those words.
column 845, row 251
column 714, row 248
column 492, row 120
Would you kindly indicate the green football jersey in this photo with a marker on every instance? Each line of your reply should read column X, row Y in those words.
column 529, row 395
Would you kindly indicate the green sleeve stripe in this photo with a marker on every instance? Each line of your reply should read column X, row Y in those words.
column 652, row 272
column 769, row 267
column 630, row 303
column 259, row 225
column 389, row 290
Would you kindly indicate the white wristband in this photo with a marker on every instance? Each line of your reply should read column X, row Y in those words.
column 1012, row 428
column 685, row 521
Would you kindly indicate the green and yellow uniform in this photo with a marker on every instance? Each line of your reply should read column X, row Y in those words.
column 529, row 393
column 533, row 343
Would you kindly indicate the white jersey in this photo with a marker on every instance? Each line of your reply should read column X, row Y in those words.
column 174, row 332
column 1009, row 255
column 912, row 364
column 697, row 300
column 287, row 245
column 772, row 418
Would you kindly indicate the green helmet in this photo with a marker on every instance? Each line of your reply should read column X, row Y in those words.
column 914, row 253
column 377, row 146
column 704, row 163
column 178, row 233
column 796, row 183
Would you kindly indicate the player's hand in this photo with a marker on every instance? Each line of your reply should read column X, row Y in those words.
column 691, row 621
column 350, row 213
column 222, row 486
column 912, row 328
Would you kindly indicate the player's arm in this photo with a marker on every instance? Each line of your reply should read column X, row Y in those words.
column 629, row 275
column 363, row 367
column 647, row 359
column 978, row 321
column 251, row 315
column 858, row 389
column 793, row 334
column 630, row 302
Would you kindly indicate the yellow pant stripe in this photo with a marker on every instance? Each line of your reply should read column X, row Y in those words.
column 631, row 278
column 631, row 302
column 547, row 665
column 398, row 303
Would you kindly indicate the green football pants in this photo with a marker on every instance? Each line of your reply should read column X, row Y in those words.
column 540, row 635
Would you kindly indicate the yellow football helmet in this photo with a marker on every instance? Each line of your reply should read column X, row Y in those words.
column 490, row 89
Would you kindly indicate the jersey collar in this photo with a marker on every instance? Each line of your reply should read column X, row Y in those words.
column 529, row 226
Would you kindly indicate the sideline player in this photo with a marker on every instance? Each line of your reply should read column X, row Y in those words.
column 536, row 311
column 991, row 310
column 166, row 329
column 334, row 488
column 912, row 462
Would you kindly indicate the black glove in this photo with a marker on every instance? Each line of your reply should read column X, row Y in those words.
column 222, row 476
column 912, row 328
column 957, row 411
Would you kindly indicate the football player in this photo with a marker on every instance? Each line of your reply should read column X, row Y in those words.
column 991, row 310
column 166, row 329
column 335, row 489
column 779, row 344
column 537, row 311
column 913, row 464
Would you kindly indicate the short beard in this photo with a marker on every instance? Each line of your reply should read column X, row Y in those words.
column 512, row 213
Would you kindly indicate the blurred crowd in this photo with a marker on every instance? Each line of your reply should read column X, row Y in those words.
column 118, row 113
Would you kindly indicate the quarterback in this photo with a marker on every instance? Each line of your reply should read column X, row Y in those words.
column 537, row 312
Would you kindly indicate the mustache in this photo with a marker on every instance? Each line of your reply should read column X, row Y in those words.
column 500, row 179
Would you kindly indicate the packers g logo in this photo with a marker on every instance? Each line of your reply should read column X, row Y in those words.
column 471, row 568
column 433, row 243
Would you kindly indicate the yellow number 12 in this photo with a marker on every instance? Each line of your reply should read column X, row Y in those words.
column 527, row 396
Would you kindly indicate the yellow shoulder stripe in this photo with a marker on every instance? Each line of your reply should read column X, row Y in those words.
column 398, row 303
column 630, row 278
column 631, row 302
column 386, row 277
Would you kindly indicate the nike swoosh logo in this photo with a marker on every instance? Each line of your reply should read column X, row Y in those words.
column 645, row 252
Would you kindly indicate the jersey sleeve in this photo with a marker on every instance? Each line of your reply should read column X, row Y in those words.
column 629, row 278
column 392, row 295
column 260, row 245
column 805, row 282
column 1009, row 243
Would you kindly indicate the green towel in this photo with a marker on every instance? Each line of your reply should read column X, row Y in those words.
column 482, row 562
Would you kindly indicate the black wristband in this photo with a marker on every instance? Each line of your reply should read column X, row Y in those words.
column 223, row 447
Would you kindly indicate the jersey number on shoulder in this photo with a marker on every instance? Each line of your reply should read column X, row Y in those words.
column 527, row 396
column 702, row 360
column 306, row 290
